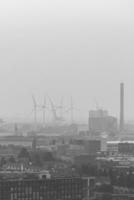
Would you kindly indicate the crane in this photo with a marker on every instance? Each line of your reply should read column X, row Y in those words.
column 53, row 107
column 60, row 107
column 35, row 110
column 44, row 110
column 71, row 110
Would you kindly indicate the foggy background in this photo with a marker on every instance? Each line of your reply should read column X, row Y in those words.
column 63, row 48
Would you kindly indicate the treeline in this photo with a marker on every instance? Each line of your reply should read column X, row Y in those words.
column 117, row 177
column 91, row 170
column 35, row 158
column 122, row 178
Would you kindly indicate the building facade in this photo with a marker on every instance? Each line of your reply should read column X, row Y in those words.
column 100, row 121
column 47, row 189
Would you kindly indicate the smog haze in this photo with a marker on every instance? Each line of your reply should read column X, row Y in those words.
column 82, row 49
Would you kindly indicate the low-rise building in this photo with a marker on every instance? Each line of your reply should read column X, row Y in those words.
column 121, row 147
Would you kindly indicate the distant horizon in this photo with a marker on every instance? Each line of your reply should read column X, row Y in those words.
column 50, row 120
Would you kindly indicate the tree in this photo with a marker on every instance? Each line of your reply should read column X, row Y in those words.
column 11, row 159
column 47, row 156
column 36, row 160
column 24, row 154
column 53, row 142
column 3, row 161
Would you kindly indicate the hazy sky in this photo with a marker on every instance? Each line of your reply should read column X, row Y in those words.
column 83, row 48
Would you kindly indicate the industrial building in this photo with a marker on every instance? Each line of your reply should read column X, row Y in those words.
column 100, row 121
column 92, row 146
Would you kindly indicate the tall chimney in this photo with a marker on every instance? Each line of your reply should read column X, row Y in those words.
column 121, row 106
